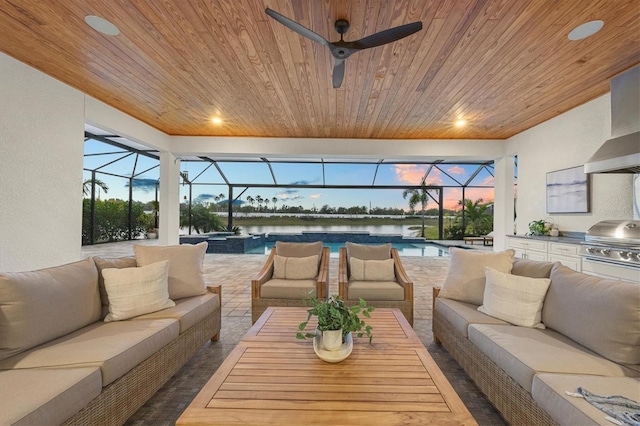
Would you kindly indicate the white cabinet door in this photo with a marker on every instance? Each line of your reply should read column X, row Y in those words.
column 573, row 262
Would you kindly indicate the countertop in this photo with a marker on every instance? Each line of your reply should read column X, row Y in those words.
column 576, row 238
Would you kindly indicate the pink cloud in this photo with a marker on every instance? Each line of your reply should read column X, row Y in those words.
column 456, row 170
column 315, row 196
column 410, row 173
column 413, row 174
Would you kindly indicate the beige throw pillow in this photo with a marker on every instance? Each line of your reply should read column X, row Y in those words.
column 39, row 306
column 185, row 266
column 514, row 298
column 137, row 291
column 599, row 313
column 368, row 252
column 466, row 278
column 371, row 270
column 295, row 268
column 105, row 263
column 298, row 249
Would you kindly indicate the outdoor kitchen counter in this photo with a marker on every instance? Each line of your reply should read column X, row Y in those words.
column 571, row 239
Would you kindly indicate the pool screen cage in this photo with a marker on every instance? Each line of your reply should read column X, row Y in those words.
column 226, row 185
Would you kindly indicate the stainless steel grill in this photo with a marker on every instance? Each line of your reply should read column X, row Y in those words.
column 613, row 241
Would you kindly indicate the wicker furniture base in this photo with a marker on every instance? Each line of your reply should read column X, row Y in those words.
column 514, row 403
column 122, row 398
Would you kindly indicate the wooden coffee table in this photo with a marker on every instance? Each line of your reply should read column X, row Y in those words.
column 271, row 378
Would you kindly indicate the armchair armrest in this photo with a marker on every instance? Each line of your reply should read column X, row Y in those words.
column 343, row 274
column 322, row 282
column 401, row 276
column 264, row 275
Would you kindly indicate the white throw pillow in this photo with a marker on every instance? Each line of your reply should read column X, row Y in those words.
column 465, row 279
column 295, row 268
column 137, row 291
column 514, row 298
column 185, row 266
column 371, row 270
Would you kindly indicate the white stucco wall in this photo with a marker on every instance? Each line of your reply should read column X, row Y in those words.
column 566, row 141
column 41, row 155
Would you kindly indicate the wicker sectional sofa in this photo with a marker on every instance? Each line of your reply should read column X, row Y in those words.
column 60, row 363
column 591, row 340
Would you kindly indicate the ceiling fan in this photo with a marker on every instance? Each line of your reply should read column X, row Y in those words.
column 341, row 50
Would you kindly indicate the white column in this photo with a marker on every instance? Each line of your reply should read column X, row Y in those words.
column 503, row 201
column 169, row 199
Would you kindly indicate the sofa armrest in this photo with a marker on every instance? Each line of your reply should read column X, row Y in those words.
column 435, row 292
column 264, row 275
column 401, row 276
column 215, row 289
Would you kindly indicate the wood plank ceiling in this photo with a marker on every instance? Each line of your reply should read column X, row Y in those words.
column 502, row 65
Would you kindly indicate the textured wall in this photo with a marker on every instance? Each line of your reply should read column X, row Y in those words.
column 566, row 141
column 41, row 155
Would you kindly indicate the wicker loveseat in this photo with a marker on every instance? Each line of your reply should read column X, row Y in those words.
column 61, row 363
column 591, row 340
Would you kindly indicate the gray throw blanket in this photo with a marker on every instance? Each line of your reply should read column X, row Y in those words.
column 620, row 408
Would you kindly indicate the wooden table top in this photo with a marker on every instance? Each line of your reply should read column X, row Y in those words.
column 271, row 378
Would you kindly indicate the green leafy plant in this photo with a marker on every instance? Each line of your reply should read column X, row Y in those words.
column 539, row 227
column 333, row 314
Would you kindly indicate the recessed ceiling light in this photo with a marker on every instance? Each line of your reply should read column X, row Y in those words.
column 461, row 123
column 216, row 120
column 585, row 30
column 101, row 25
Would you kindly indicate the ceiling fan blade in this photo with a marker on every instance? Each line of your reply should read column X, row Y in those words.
column 386, row 36
column 338, row 73
column 293, row 25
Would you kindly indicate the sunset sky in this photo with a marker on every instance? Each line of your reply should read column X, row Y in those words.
column 290, row 174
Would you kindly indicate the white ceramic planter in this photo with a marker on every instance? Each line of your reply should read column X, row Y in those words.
column 332, row 339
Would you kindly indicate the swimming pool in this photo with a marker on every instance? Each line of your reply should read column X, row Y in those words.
column 404, row 249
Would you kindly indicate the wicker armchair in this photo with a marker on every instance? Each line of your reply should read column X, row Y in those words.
column 351, row 290
column 269, row 291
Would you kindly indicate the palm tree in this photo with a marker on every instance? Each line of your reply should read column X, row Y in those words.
column 259, row 199
column 86, row 186
column 417, row 196
column 476, row 214
column 274, row 200
column 250, row 200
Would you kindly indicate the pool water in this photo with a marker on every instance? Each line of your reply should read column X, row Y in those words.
column 404, row 249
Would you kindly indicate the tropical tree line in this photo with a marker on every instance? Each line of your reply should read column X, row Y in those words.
column 112, row 221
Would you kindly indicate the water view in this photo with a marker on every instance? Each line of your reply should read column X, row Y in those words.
column 409, row 250
column 377, row 229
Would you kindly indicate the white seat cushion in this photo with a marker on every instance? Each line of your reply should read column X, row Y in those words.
column 188, row 311
column 123, row 345
column 461, row 314
column 375, row 290
column 288, row 289
column 46, row 396
column 522, row 352
column 549, row 393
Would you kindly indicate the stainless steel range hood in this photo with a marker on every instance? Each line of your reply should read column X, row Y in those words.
column 621, row 153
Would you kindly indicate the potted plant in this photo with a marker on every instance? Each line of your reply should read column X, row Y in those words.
column 539, row 227
column 334, row 316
